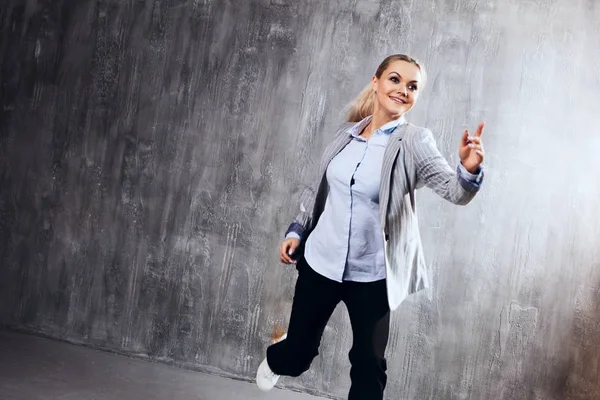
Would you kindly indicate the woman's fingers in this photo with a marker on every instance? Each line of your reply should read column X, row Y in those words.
column 478, row 149
column 472, row 144
column 475, row 143
column 465, row 137
column 286, row 250
column 283, row 253
column 479, row 130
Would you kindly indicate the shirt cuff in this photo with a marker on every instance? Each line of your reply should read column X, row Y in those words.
column 296, row 229
column 292, row 235
column 466, row 175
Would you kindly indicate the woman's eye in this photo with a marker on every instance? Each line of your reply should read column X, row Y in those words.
column 412, row 88
column 395, row 80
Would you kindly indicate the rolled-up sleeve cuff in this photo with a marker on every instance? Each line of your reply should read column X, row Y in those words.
column 295, row 230
column 470, row 182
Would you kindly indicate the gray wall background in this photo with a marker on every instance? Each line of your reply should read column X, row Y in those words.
column 151, row 152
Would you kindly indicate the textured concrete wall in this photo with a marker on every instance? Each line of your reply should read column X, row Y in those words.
column 151, row 151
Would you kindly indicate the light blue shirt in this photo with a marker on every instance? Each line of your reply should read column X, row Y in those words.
column 347, row 244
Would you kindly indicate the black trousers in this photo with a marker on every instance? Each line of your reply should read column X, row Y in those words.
column 315, row 300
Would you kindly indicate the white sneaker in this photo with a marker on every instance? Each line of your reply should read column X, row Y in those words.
column 265, row 378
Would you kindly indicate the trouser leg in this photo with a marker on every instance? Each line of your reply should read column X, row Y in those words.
column 315, row 299
column 370, row 319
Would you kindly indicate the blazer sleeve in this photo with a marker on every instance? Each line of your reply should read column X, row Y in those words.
column 434, row 171
column 302, row 220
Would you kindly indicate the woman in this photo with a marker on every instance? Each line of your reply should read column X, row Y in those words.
column 356, row 238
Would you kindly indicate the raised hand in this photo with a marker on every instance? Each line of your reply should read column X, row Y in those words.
column 471, row 151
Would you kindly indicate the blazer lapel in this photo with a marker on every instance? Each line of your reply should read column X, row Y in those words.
column 389, row 156
column 338, row 144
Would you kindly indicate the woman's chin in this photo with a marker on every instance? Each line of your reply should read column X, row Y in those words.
column 397, row 112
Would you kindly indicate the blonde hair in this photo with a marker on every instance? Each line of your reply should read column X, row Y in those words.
column 363, row 104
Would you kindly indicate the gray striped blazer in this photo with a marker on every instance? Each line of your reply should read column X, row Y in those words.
column 411, row 160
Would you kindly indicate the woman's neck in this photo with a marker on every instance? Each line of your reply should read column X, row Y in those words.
column 379, row 119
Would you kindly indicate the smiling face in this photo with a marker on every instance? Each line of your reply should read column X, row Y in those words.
column 397, row 89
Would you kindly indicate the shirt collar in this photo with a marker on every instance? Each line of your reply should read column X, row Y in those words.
column 386, row 129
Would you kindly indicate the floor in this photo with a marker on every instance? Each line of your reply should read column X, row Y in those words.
column 34, row 368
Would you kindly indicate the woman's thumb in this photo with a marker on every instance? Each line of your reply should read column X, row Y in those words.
column 292, row 247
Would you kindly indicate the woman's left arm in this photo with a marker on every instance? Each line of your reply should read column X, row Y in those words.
column 433, row 170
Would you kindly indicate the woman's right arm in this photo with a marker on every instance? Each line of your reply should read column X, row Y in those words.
column 302, row 221
column 297, row 229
